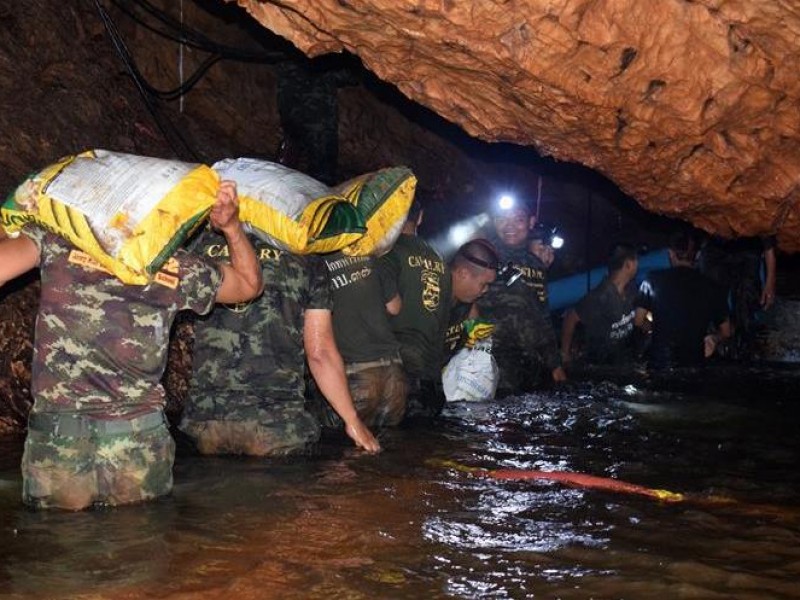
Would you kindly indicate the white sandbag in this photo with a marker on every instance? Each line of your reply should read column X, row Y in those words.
column 471, row 374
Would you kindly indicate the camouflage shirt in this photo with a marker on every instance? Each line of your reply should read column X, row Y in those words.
column 256, row 348
column 101, row 345
column 524, row 333
column 415, row 271
column 533, row 270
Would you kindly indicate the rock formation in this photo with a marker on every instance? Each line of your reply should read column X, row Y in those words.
column 690, row 106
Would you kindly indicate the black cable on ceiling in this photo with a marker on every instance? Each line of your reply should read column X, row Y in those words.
column 184, row 34
column 168, row 130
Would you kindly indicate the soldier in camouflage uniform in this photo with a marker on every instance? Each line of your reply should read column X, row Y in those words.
column 97, row 433
column 524, row 341
column 247, row 389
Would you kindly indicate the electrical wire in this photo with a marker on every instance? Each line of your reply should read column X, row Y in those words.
column 178, row 32
column 184, row 34
column 168, row 130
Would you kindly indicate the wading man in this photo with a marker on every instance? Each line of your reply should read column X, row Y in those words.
column 97, row 433
column 247, row 393
column 606, row 314
column 364, row 338
column 524, row 342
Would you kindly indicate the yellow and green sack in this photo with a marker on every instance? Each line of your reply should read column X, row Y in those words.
column 383, row 199
column 130, row 213
column 291, row 210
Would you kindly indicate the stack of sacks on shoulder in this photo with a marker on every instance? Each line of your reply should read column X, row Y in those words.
column 130, row 213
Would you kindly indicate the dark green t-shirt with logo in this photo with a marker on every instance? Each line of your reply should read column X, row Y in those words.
column 416, row 271
column 360, row 321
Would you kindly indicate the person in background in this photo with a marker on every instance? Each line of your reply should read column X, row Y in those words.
column 524, row 341
column 606, row 313
column 247, row 392
column 97, row 435
column 541, row 244
column 684, row 304
column 366, row 342
column 735, row 265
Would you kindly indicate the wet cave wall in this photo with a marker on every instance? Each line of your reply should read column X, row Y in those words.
column 65, row 88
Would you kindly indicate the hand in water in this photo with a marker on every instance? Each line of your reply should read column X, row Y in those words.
column 362, row 437
column 768, row 297
column 709, row 345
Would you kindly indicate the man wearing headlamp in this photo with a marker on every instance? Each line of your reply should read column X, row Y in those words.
column 525, row 342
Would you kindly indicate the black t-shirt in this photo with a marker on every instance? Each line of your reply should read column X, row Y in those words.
column 360, row 321
column 415, row 271
column 607, row 317
column 729, row 262
column 684, row 302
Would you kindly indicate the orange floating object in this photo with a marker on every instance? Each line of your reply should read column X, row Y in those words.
column 568, row 478
column 584, row 480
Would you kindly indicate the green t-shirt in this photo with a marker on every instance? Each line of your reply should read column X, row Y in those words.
column 360, row 321
column 415, row 271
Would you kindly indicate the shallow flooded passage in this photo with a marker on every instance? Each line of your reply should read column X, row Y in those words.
column 419, row 522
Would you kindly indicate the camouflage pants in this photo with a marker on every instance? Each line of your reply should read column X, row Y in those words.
column 379, row 395
column 96, row 468
column 250, row 426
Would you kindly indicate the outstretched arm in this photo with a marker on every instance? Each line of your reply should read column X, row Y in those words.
column 241, row 279
column 567, row 334
column 768, row 293
column 327, row 369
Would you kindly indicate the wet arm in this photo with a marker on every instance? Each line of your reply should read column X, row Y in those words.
column 770, row 264
column 327, row 368
column 568, row 333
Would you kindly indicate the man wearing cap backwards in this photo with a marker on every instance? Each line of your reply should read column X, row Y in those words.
column 524, row 342
column 606, row 313
column 97, row 433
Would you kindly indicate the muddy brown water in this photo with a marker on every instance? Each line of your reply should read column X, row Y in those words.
column 411, row 523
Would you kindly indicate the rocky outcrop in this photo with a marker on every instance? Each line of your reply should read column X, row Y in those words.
column 690, row 106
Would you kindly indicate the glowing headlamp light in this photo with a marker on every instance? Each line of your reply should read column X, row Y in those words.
column 505, row 202
column 549, row 236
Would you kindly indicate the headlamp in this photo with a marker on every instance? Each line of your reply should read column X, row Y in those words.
column 505, row 202
column 549, row 236
column 506, row 273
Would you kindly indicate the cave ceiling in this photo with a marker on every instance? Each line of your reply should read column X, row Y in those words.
column 689, row 106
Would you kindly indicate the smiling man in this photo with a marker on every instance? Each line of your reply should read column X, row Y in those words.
column 525, row 342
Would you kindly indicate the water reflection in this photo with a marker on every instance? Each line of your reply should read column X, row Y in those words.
column 408, row 524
